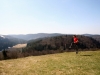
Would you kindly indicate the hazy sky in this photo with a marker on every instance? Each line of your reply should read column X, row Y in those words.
column 49, row 16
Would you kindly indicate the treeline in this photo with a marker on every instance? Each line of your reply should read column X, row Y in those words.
column 62, row 42
column 59, row 44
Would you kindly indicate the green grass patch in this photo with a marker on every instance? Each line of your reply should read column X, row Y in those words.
column 67, row 63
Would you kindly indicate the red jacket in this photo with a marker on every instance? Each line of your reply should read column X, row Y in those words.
column 75, row 40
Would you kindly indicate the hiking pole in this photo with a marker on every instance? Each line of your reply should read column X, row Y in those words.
column 71, row 45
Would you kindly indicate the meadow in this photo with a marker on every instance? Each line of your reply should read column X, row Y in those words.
column 67, row 63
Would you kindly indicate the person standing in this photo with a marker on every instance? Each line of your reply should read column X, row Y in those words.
column 4, row 54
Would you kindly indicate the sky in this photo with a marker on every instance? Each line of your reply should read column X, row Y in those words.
column 49, row 16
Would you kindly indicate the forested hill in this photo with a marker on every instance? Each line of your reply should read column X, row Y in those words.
column 97, row 37
column 61, row 42
column 9, row 42
column 15, row 40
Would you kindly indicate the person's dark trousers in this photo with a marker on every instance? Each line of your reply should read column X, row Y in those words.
column 5, row 54
column 76, row 47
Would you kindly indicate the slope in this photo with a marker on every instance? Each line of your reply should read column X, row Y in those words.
column 68, row 63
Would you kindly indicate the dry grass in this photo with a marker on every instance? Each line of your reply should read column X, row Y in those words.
column 68, row 63
column 19, row 46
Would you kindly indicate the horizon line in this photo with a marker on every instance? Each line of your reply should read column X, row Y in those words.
column 52, row 33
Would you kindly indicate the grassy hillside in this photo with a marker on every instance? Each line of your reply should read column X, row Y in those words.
column 68, row 63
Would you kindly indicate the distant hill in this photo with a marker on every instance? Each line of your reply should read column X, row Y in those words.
column 87, row 34
column 35, row 36
column 61, row 43
column 7, row 41
column 95, row 36
column 16, row 40
column 43, row 35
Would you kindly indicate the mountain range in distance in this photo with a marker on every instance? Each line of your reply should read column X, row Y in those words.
column 28, row 37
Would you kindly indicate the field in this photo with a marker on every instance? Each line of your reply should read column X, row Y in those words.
column 19, row 46
column 67, row 63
